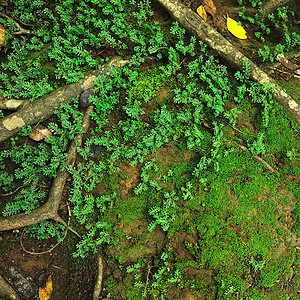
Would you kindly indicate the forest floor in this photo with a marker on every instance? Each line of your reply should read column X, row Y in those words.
column 243, row 218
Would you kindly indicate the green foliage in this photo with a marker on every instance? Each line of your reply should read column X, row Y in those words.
column 257, row 147
column 25, row 201
column 46, row 230
column 164, row 161
column 97, row 234
column 164, row 216
column 277, row 24
column 161, row 279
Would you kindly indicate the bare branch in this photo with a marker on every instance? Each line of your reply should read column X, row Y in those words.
column 45, row 106
column 203, row 31
column 98, row 285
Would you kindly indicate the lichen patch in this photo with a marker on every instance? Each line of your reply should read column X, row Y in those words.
column 293, row 104
column 89, row 83
column 12, row 104
column 13, row 123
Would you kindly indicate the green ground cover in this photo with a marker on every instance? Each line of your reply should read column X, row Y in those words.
column 177, row 206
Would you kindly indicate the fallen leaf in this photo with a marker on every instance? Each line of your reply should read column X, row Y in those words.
column 209, row 6
column 236, row 29
column 202, row 13
column 45, row 293
column 207, row 125
column 40, row 133
column 2, row 35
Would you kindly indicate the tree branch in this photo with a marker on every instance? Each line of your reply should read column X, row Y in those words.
column 45, row 106
column 49, row 210
column 7, row 291
column 98, row 285
column 203, row 31
column 267, row 8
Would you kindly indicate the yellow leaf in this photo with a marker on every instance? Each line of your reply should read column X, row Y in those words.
column 202, row 13
column 236, row 29
column 45, row 293
column 2, row 34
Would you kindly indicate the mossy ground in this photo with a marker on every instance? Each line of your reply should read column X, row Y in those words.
column 228, row 233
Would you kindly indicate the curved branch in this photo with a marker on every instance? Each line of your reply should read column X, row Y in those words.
column 203, row 31
column 49, row 210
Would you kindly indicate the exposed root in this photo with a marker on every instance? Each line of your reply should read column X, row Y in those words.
column 203, row 31
column 45, row 106
column 98, row 284
column 49, row 250
column 21, row 30
column 11, row 104
column 11, row 193
column 49, row 210
column 267, row 8
column 245, row 149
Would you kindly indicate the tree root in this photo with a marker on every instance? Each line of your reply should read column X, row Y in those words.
column 49, row 210
column 7, row 291
column 203, row 31
column 45, row 106
column 98, row 285
column 49, row 250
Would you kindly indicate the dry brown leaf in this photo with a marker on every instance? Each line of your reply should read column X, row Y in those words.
column 2, row 35
column 202, row 13
column 209, row 6
column 45, row 293
column 40, row 133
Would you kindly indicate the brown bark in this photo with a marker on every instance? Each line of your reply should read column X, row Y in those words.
column 203, row 31
column 271, row 5
column 49, row 210
column 45, row 106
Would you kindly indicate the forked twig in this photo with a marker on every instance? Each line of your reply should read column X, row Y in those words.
column 49, row 250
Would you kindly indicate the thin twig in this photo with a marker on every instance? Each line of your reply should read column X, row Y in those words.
column 21, row 29
column 49, row 250
column 148, row 274
column 245, row 149
column 8, row 194
column 238, row 130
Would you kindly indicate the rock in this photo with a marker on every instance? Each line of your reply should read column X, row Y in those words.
column 24, row 284
column 84, row 100
column 95, row 150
